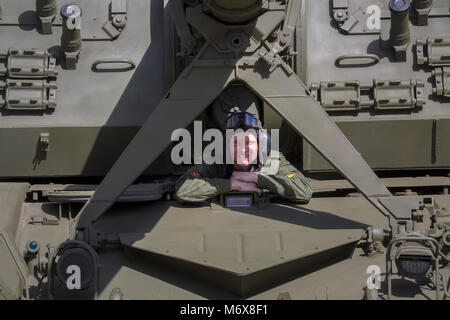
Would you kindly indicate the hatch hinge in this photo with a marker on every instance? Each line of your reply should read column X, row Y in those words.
column 118, row 20
column 441, row 84
column 338, row 95
column 29, row 80
column 29, row 63
column 398, row 94
column 29, row 94
column 434, row 52
column 379, row 94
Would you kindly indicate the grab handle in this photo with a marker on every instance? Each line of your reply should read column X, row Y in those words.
column 130, row 63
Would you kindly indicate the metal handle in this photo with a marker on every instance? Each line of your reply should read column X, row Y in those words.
column 96, row 63
column 357, row 56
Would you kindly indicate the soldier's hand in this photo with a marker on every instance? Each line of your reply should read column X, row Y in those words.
column 238, row 185
column 245, row 176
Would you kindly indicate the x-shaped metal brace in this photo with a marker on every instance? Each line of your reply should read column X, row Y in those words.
column 191, row 94
column 196, row 88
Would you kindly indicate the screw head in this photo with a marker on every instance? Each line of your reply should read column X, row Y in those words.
column 340, row 15
column 33, row 246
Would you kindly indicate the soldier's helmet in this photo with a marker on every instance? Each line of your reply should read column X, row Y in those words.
column 245, row 121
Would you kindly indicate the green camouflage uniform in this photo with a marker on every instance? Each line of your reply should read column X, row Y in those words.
column 204, row 181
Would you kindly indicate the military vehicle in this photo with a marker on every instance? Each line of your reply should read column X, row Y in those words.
column 91, row 92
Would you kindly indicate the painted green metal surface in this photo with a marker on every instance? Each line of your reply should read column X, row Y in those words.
column 86, row 119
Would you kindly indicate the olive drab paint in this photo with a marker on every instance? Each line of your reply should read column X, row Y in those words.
column 110, row 112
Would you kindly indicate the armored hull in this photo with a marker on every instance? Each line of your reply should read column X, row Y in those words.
column 92, row 91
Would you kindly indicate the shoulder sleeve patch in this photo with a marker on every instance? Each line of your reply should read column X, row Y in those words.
column 291, row 174
column 195, row 173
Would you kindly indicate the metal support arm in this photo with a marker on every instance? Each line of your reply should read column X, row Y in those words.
column 288, row 96
column 197, row 87
column 287, row 32
column 187, row 98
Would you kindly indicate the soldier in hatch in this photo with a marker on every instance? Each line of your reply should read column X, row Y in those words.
column 205, row 181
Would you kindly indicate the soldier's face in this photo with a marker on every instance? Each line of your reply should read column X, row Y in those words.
column 244, row 150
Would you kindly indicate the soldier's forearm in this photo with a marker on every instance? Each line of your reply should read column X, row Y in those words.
column 295, row 190
column 194, row 190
